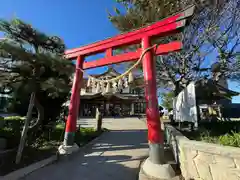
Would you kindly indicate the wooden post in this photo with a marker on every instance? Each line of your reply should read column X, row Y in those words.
column 98, row 120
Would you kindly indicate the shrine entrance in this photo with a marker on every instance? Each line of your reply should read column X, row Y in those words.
column 144, row 55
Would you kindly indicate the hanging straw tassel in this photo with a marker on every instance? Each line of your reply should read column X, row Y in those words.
column 98, row 88
column 89, row 82
column 115, row 86
column 108, row 89
column 102, row 85
column 120, row 84
column 93, row 83
column 130, row 77
column 125, row 83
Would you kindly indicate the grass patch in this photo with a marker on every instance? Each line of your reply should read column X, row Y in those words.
column 223, row 133
column 229, row 139
column 84, row 135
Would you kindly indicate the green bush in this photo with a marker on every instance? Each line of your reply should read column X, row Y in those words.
column 11, row 129
column 12, row 137
column 84, row 135
column 2, row 122
column 223, row 132
column 6, row 132
column 220, row 127
column 229, row 139
column 14, row 122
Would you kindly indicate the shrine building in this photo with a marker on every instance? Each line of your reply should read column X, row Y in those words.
column 128, row 100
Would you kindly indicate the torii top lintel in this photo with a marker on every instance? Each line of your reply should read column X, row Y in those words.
column 163, row 27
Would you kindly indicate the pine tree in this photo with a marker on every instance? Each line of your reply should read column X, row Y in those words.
column 32, row 61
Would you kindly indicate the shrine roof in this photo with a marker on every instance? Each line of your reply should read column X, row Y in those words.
column 209, row 88
column 110, row 71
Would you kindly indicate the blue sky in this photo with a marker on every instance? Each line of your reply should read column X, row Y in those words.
column 77, row 22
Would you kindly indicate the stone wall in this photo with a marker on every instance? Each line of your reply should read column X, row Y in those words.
column 205, row 161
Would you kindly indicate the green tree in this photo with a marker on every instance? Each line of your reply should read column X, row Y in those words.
column 140, row 13
column 167, row 100
column 32, row 62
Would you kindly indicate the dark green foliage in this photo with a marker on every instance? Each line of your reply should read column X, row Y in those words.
column 43, row 147
column 11, row 130
column 221, row 127
column 220, row 132
column 229, row 139
column 52, row 105
column 167, row 100
column 26, row 50
column 84, row 135
column 14, row 123
column 140, row 13
column 32, row 62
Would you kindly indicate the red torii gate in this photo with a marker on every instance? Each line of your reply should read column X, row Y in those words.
column 164, row 27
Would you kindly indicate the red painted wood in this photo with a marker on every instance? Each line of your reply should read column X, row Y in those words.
column 136, row 38
column 109, row 52
column 71, row 123
column 131, row 37
column 155, row 135
column 130, row 56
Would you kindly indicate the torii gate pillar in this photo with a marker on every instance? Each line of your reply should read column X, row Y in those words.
column 155, row 136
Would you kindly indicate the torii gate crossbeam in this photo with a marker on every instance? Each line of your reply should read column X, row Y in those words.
column 144, row 36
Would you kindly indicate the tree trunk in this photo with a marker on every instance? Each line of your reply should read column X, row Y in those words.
column 40, row 117
column 35, row 129
column 25, row 128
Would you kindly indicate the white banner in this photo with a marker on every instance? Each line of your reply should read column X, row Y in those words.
column 184, row 105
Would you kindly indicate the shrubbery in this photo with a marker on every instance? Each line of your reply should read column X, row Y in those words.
column 229, row 139
column 11, row 129
column 13, row 126
column 222, row 132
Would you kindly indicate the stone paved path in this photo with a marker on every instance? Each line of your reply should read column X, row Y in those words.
column 116, row 155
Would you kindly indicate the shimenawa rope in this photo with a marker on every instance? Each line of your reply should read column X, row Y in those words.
column 126, row 72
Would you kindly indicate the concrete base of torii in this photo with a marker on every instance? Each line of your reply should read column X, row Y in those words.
column 156, row 171
column 64, row 150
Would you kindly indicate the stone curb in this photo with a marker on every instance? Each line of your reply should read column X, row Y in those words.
column 20, row 173
column 27, row 170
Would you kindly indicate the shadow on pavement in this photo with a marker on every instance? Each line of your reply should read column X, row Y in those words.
column 116, row 155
